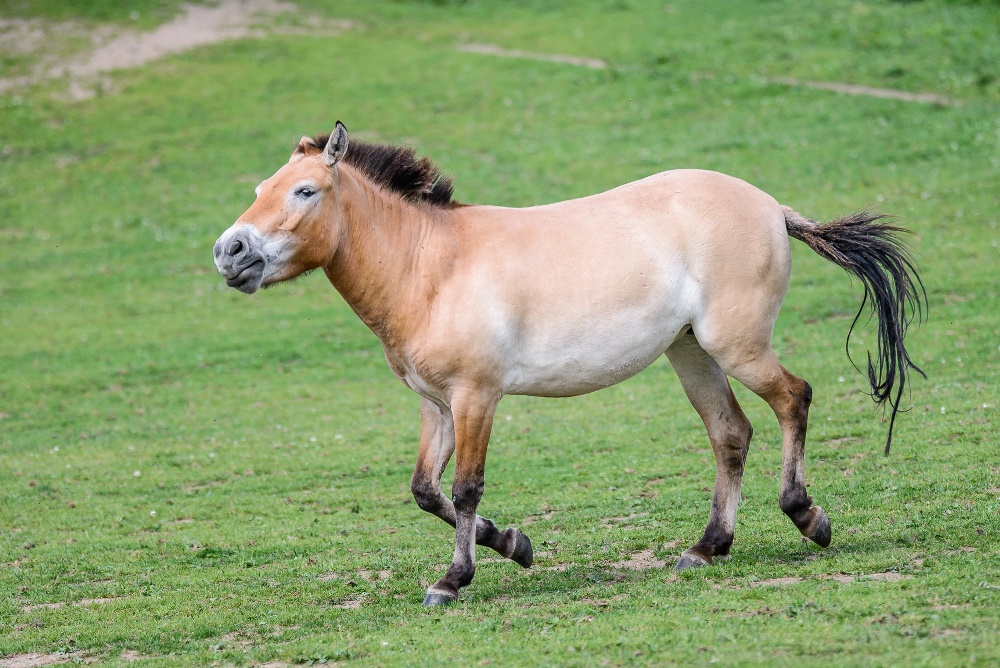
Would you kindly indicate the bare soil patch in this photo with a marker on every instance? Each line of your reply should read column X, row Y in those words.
column 531, row 519
column 617, row 522
column 81, row 603
column 888, row 576
column 947, row 633
column 776, row 582
column 641, row 561
column 352, row 603
column 868, row 91
column 373, row 576
column 34, row 660
column 196, row 26
column 843, row 440
column 131, row 655
column 493, row 50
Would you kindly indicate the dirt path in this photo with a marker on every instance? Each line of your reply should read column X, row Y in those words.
column 869, row 91
column 493, row 50
column 115, row 49
column 196, row 26
column 597, row 64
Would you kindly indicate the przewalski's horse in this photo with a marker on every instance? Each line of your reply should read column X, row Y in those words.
column 475, row 302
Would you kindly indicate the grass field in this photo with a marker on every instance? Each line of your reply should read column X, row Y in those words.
column 191, row 476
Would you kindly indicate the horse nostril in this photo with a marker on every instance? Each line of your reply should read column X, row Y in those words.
column 236, row 247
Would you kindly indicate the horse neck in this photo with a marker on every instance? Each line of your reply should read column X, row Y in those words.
column 389, row 256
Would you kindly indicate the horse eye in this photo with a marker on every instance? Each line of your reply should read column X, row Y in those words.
column 305, row 191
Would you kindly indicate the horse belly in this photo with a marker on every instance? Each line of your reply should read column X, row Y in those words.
column 587, row 357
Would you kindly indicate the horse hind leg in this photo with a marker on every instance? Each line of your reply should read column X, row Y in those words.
column 729, row 431
column 789, row 397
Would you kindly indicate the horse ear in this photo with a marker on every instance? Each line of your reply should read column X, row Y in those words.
column 336, row 146
column 305, row 147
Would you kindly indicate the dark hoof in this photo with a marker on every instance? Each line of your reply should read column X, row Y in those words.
column 522, row 554
column 691, row 560
column 436, row 598
column 819, row 530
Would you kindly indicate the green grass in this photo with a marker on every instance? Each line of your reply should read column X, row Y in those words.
column 275, row 448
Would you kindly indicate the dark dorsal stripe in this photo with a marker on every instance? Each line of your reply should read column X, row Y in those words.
column 397, row 168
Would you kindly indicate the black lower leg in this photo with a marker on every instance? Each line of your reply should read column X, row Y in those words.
column 465, row 497
column 715, row 542
column 811, row 521
column 731, row 446
column 509, row 543
column 796, row 503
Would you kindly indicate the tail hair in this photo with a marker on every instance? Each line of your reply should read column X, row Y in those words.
column 876, row 254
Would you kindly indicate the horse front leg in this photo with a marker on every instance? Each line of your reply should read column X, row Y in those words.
column 472, row 416
column 437, row 443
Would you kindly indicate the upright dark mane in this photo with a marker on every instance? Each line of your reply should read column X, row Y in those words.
column 397, row 168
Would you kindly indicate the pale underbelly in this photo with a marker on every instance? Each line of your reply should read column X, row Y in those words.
column 589, row 364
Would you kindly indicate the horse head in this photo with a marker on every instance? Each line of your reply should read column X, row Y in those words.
column 291, row 226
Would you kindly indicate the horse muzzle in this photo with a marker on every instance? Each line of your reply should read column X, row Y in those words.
column 240, row 259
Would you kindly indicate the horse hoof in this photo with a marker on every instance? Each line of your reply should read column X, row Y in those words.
column 691, row 560
column 522, row 554
column 819, row 530
column 436, row 598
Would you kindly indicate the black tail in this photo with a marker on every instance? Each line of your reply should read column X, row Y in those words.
column 875, row 253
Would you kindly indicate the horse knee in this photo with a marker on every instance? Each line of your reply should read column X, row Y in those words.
column 741, row 431
column 732, row 439
column 804, row 393
column 801, row 393
column 791, row 400
column 466, row 494
column 426, row 494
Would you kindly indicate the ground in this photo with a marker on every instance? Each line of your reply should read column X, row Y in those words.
column 191, row 476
